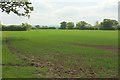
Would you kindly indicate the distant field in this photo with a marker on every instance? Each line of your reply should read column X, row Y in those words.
column 60, row 54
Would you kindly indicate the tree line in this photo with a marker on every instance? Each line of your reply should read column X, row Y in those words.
column 106, row 24
column 43, row 27
column 22, row 27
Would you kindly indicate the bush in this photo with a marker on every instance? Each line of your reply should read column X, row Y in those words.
column 44, row 27
column 22, row 27
column 52, row 27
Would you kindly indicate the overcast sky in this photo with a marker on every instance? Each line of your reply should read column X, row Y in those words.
column 52, row 12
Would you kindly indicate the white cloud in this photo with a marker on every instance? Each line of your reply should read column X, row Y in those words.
column 52, row 12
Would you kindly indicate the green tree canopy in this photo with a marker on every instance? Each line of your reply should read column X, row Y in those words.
column 37, row 26
column 63, row 25
column 70, row 25
column 115, row 24
column 26, row 26
column 81, row 25
column 19, row 8
column 109, row 24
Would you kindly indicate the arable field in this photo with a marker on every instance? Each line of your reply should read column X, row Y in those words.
column 60, row 54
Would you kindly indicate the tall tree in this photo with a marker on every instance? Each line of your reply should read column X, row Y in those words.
column 63, row 25
column 81, row 25
column 37, row 26
column 109, row 24
column 20, row 8
column 70, row 25
column 115, row 24
column 26, row 26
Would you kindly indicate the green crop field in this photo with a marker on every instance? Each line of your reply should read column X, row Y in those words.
column 60, row 54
